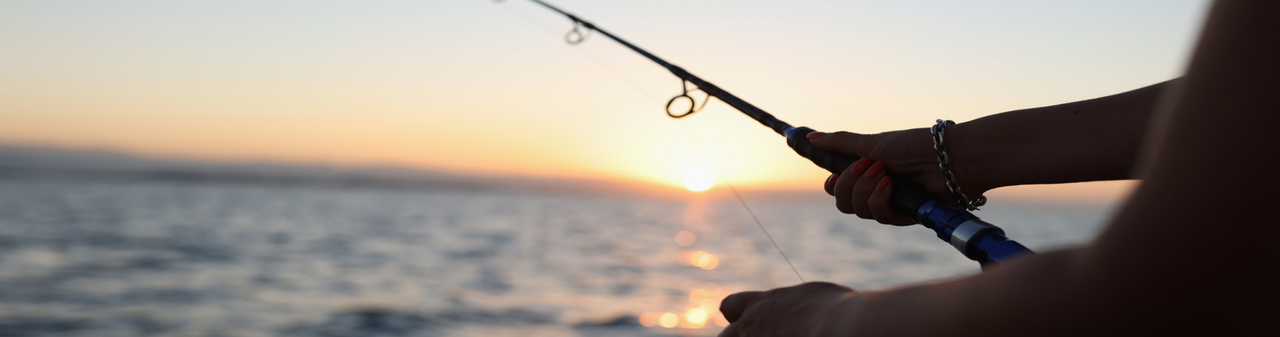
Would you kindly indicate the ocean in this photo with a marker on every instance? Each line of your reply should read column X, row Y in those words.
column 130, row 257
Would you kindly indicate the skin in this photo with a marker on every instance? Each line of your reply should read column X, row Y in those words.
column 1188, row 254
column 1089, row 140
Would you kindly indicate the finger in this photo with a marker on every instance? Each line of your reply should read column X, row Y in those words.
column 863, row 188
column 830, row 184
column 879, row 203
column 843, row 189
column 849, row 143
column 733, row 306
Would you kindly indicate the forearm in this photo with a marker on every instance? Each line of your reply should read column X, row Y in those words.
column 1096, row 139
column 1036, row 296
column 1163, row 266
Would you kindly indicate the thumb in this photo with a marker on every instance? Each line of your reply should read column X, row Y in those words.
column 853, row 144
column 733, row 305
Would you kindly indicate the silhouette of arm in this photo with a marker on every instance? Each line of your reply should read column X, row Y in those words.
column 1090, row 140
column 1189, row 253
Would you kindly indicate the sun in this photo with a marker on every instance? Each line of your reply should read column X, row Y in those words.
column 698, row 179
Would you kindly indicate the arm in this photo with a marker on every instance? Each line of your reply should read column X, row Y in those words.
column 1163, row 262
column 1188, row 254
column 1089, row 140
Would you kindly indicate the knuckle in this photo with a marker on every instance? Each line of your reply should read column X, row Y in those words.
column 843, row 205
column 824, row 285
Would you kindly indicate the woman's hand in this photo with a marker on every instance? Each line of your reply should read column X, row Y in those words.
column 810, row 309
column 863, row 188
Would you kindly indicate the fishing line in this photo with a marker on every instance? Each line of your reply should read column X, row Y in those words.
column 744, row 202
column 689, row 132
column 978, row 240
column 589, row 55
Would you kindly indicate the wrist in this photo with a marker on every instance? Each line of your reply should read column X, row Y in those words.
column 971, row 159
column 842, row 317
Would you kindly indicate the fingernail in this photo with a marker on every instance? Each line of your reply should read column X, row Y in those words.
column 860, row 166
column 884, row 182
column 875, row 169
column 829, row 179
column 815, row 135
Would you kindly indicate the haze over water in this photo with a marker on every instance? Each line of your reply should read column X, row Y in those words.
column 124, row 257
column 481, row 87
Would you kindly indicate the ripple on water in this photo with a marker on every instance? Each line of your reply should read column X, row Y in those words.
column 137, row 258
column 391, row 322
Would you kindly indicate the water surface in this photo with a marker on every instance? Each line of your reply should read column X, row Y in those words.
column 134, row 257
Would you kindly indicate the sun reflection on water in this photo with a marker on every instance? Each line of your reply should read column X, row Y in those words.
column 649, row 319
column 700, row 259
column 686, row 238
column 695, row 318
column 702, row 309
column 669, row 320
column 695, row 214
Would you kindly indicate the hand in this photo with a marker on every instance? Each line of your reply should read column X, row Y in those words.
column 863, row 188
column 810, row 309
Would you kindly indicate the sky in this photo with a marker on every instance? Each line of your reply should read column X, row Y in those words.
column 484, row 87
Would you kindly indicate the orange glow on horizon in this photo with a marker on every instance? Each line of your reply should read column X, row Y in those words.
column 495, row 97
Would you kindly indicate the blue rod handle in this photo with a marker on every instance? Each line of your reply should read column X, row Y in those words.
column 976, row 239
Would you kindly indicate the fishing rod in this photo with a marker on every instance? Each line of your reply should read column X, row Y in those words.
column 976, row 239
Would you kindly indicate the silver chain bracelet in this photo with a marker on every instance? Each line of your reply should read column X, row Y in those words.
column 939, row 131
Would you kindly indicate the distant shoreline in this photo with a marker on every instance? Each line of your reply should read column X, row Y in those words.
column 29, row 162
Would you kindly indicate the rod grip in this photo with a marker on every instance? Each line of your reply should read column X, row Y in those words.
column 907, row 196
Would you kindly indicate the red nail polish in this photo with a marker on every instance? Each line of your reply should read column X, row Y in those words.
column 860, row 166
column 884, row 182
column 815, row 135
column 875, row 169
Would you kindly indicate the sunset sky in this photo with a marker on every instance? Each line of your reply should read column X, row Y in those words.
column 477, row 86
